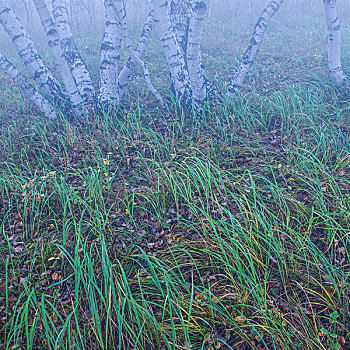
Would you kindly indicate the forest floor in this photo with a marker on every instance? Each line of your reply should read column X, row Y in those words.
column 155, row 231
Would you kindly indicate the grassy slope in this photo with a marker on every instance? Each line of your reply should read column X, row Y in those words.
column 152, row 232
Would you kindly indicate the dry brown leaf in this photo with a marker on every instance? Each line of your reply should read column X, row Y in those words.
column 55, row 276
column 240, row 319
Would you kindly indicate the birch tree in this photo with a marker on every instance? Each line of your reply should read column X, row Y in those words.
column 71, row 53
column 200, row 85
column 110, row 55
column 179, row 25
column 180, row 17
column 78, row 90
column 126, row 72
column 58, row 55
column 253, row 47
column 180, row 79
column 42, row 76
column 334, row 42
column 26, row 88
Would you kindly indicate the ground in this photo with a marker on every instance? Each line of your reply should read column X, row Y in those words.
column 149, row 230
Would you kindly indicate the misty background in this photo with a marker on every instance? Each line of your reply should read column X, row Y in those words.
column 87, row 15
column 300, row 25
column 216, row 220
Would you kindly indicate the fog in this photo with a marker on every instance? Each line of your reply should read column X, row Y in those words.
column 299, row 18
column 176, row 178
column 296, row 33
column 87, row 15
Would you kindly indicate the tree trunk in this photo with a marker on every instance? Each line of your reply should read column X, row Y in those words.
column 71, row 53
column 110, row 55
column 334, row 42
column 194, row 57
column 26, row 88
column 141, row 63
column 57, row 52
column 253, row 48
column 129, row 67
column 180, row 16
column 179, row 75
column 29, row 55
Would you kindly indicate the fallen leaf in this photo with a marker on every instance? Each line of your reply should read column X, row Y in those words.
column 53, row 258
column 341, row 341
column 240, row 319
column 19, row 249
column 55, row 276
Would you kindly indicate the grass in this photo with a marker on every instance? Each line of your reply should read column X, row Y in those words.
column 151, row 231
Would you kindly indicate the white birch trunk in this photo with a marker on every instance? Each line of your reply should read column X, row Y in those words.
column 180, row 16
column 110, row 55
column 253, row 48
column 179, row 75
column 71, row 53
column 122, row 18
column 57, row 52
column 130, row 65
column 334, row 42
column 194, row 57
column 45, row 80
column 27, row 89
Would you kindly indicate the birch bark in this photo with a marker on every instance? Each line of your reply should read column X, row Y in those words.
column 110, row 55
column 179, row 75
column 27, row 89
column 71, row 53
column 180, row 16
column 334, row 42
column 57, row 52
column 130, row 65
column 29, row 55
column 122, row 18
column 253, row 48
column 194, row 56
